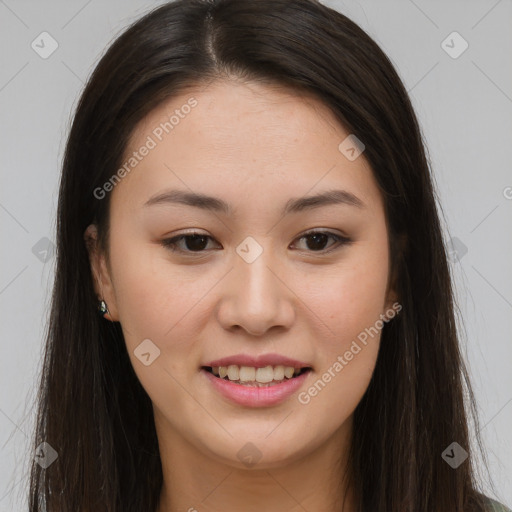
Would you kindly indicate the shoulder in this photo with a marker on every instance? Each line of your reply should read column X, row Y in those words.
column 494, row 506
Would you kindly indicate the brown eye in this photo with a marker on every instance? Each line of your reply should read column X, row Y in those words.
column 195, row 242
column 316, row 240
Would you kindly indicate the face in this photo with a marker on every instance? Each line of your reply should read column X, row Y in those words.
column 272, row 275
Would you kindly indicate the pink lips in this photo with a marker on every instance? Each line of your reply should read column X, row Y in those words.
column 252, row 396
column 258, row 362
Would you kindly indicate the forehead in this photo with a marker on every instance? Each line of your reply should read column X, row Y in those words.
column 236, row 140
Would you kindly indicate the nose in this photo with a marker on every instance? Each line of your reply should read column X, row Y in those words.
column 256, row 298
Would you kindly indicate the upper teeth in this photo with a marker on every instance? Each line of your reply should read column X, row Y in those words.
column 251, row 374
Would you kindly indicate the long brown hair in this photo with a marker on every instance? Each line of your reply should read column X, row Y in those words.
column 91, row 407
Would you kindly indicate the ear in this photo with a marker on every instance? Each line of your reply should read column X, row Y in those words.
column 100, row 273
column 392, row 293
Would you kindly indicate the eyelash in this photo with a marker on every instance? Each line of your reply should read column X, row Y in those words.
column 170, row 243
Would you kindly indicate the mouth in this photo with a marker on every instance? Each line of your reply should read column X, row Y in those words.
column 265, row 386
column 261, row 377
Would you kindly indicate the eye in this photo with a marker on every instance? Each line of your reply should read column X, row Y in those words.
column 196, row 242
column 320, row 237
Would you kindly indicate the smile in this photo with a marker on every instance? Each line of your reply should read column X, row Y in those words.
column 255, row 387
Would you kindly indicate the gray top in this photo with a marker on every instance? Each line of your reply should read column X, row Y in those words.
column 494, row 506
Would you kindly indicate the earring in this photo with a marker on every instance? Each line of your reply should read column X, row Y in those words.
column 102, row 307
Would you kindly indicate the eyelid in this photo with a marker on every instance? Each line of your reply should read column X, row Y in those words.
column 169, row 243
column 341, row 241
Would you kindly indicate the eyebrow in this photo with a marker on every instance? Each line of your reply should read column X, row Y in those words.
column 295, row 205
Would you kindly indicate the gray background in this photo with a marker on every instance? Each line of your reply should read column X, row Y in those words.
column 464, row 105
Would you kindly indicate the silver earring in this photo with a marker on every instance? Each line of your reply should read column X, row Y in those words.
column 102, row 307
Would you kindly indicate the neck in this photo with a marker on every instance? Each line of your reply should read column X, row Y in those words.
column 197, row 481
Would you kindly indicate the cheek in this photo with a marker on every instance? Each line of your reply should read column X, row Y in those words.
column 158, row 301
column 350, row 303
column 352, row 297
column 162, row 300
column 155, row 298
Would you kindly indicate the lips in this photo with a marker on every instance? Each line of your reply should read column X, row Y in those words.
column 258, row 361
column 254, row 394
column 256, row 381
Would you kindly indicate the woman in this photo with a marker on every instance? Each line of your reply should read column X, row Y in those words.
column 240, row 361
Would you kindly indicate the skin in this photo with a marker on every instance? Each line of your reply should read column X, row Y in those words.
column 255, row 146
